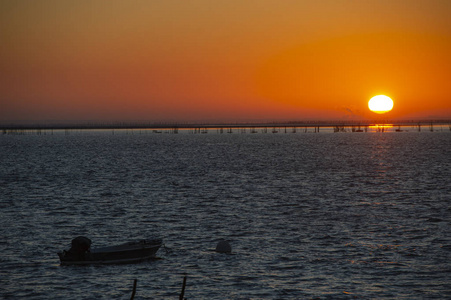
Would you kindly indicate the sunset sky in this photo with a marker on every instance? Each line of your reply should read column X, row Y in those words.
column 205, row 60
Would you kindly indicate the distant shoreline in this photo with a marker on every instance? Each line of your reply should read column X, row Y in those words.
column 194, row 125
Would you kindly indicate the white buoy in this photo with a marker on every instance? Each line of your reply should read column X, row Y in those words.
column 223, row 247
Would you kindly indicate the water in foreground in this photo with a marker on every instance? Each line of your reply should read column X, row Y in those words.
column 333, row 216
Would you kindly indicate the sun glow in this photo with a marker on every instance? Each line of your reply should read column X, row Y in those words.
column 380, row 104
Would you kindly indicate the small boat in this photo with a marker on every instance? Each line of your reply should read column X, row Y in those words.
column 81, row 253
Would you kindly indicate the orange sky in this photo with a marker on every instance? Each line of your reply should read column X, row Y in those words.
column 222, row 60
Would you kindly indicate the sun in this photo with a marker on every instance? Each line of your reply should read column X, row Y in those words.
column 380, row 104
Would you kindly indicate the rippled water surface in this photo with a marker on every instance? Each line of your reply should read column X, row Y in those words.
column 320, row 215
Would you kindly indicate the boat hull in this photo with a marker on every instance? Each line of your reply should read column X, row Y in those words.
column 131, row 252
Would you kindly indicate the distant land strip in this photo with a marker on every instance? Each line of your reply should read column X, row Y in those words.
column 190, row 125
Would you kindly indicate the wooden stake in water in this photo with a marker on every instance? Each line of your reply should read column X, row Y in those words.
column 134, row 289
column 182, row 294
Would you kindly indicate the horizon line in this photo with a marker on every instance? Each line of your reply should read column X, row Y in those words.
column 238, row 124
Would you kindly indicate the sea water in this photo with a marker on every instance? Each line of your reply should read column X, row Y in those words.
column 308, row 215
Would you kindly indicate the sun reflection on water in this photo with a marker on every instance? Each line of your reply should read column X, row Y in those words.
column 381, row 127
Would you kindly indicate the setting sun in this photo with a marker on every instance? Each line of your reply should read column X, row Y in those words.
column 380, row 104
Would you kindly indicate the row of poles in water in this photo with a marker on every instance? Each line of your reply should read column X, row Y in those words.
column 254, row 130
column 221, row 130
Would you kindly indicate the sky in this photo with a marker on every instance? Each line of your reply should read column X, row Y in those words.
column 222, row 61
